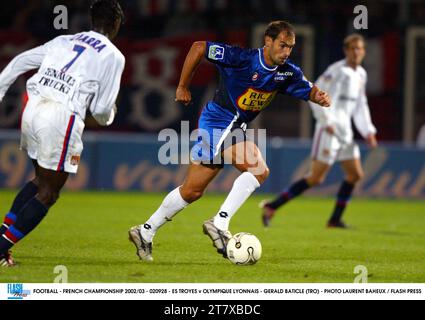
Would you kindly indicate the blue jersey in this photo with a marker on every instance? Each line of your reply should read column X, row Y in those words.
column 248, row 85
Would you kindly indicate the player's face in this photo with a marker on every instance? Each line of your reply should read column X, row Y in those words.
column 280, row 48
column 355, row 52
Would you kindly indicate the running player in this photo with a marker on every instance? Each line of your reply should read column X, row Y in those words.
column 75, row 73
column 345, row 81
column 250, row 78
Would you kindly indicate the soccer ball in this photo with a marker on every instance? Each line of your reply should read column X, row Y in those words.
column 244, row 249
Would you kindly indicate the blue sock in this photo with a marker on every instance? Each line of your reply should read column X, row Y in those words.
column 343, row 197
column 26, row 194
column 296, row 189
column 27, row 219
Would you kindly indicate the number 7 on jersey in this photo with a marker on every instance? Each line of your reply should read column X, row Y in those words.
column 79, row 50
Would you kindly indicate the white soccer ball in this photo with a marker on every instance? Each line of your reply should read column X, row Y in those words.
column 244, row 248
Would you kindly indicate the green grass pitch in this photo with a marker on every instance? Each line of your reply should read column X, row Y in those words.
column 87, row 233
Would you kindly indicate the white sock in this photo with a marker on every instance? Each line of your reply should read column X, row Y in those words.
column 243, row 187
column 172, row 204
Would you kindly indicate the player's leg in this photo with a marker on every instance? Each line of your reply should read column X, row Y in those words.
column 353, row 173
column 29, row 143
column 246, row 157
column 197, row 179
column 32, row 213
column 27, row 192
column 323, row 155
column 317, row 175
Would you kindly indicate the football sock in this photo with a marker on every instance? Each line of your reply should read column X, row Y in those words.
column 343, row 197
column 26, row 193
column 296, row 189
column 243, row 187
column 172, row 204
column 27, row 219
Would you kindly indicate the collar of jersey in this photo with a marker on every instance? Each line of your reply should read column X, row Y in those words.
column 263, row 62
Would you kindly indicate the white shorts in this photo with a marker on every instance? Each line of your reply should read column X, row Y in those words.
column 328, row 149
column 51, row 134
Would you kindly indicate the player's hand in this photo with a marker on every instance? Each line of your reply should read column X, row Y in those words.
column 183, row 95
column 330, row 130
column 322, row 98
column 112, row 115
column 371, row 141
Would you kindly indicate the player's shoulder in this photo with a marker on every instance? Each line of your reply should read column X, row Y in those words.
column 218, row 51
column 59, row 40
column 362, row 71
column 117, row 55
column 290, row 66
column 337, row 66
column 112, row 53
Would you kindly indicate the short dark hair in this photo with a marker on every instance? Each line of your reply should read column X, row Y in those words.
column 276, row 27
column 352, row 38
column 104, row 14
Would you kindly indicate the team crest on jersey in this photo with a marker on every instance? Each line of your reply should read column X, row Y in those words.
column 255, row 100
column 255, row 76
column 216, row 52
column 75, row 160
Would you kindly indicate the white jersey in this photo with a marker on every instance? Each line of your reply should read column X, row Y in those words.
column 347, row 89
column 81, row 72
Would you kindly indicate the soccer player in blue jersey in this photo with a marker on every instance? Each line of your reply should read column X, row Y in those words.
column 250, row 78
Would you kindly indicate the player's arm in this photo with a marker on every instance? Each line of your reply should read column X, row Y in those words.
column 103, row 108
column 192, row 61
column 363, row 120
column 22, row 63
column 329, row 82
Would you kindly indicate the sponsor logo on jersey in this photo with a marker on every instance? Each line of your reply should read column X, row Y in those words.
column 255, row 100
column 216, row 52
column 57, row 80
column 281, row 76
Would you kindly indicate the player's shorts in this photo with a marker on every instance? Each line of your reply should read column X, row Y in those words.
column 328, row 149
column 51, row 134
column 218, row 129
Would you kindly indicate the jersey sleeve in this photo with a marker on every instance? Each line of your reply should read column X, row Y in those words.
column 102, row 107
column 298, row 87
column 329, row 82
column 361, row 115
column 26, row 61
column 225, row 55
column 22, row 63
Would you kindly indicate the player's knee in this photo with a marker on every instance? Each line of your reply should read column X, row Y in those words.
column 355, row 177
column 191, row 195
column 315, row 180
column 35, row 181
column 48, row 197
column 262, row 177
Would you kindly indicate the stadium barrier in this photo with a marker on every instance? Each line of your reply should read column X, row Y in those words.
column 120, row 162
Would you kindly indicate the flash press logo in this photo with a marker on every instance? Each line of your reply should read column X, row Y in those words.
column 16, row 291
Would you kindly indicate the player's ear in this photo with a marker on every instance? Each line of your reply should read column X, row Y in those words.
column 268, row 41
